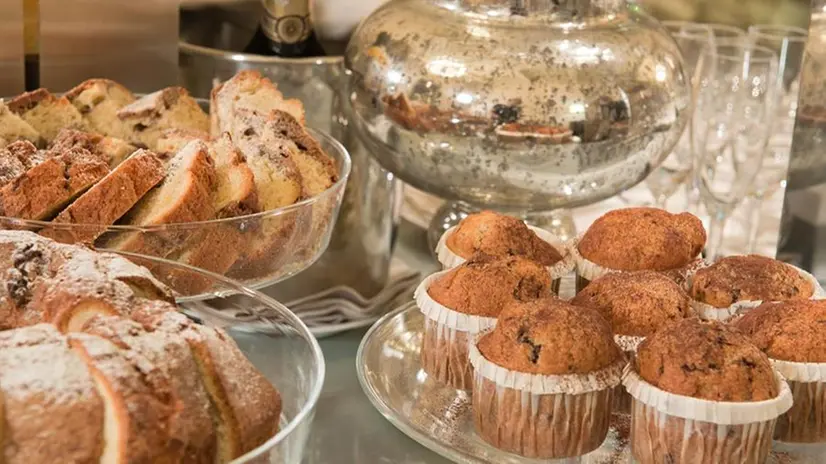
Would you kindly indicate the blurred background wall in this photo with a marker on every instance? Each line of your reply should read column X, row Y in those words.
column 734, row 12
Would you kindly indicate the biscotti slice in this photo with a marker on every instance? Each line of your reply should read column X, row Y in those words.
column 13, row 127
column 42, row 191
column 191, row 429
column 184, row 196
column 171, row 141
column 246, row 412
column 108, row 200
column 248, row 90
column 98, row 101
column 170, row 108
column 110, row 149
column 47, row 113
column 52, row 411
column 18, row 157
column 137, row 400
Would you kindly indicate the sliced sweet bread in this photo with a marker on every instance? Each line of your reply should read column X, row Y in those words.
column 185, row 195
column 52, row 411
column 246, row 413
column 172, row 140
column 18, row 157
column 108, row 200
column 112, row 150
column 98, row 101
column 236, row 194
column 191, row 429
column 47, row 113
column 138, row 405
column 45, row 189
column 248, row 90
column 13, row 127
column 171, row 108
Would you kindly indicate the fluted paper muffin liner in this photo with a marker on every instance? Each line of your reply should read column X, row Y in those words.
column 709, row 312
column 628, row 344
column 805, row 422
column 670, row 428
column 541, row 416
column 587, row 270
column 449, row 259
column 445, row 341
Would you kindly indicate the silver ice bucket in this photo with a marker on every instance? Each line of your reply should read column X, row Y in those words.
column 360, row 250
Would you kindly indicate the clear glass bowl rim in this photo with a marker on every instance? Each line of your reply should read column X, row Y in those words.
column 293, row 320
column 344, row 173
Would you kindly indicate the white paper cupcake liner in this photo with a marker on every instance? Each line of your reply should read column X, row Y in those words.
column 440, row 313
column 715, row 412
column 449, row 259
column 800, row 372
column 538, row 384
column 709, row 312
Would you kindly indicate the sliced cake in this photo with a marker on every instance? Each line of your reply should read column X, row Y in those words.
column 171, row 108
column 18, row 157
column 112, row 150
column 172, row 140
column 47, row 113
column 98, row 101
column 108, row 200
column 13, row 127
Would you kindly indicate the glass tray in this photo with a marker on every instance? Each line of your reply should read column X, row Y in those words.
column 438, row 417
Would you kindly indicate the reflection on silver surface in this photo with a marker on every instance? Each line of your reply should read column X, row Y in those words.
column 362, row 242
column 534, row 106
column 11, row 47
column 440, row 418
column 132, row 42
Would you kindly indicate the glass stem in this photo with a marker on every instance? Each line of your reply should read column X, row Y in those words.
column 660, row 201
column 692, row 195
column 755, row 208
column 715, row 236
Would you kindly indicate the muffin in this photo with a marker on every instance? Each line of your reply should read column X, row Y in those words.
column 636, row 304
column 544, row 379
column 461, row 302
column 637, row 239
column 495, row 234
column 736, row 282
column 793, row 336
column 703, row 393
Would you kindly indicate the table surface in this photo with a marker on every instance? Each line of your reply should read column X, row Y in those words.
column 347, row 429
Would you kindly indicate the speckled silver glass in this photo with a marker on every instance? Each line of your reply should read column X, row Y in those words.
column 520, row 106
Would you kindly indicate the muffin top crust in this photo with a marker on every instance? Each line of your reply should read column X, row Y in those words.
column 551, row 337
column 634, row 239
column 788, row 330
column 483, row 285
column 748, row 278
column 636, row 303
column 706, row 360
column 495, row 234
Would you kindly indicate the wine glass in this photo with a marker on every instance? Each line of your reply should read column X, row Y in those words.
column 788, row 43
column 735, row 111
column 677, row 167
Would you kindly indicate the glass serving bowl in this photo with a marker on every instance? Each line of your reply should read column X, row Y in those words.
column 257, row 250
column 273, row 339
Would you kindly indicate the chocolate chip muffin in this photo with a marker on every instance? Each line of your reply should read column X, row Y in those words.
column 636, row 303
column 748, row 278
column 690, row 381
column 460, row 302
column 495, row 234
column 793, row 335
column 565, row 360
column 635, row 239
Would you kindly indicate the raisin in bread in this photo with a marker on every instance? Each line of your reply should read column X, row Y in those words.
column 247, row 90
column 45, row 189
column 185, row 195
column 98, row 101
column 13, row 127
column 108, row 200
column 47, row 113
column 170, row 108
column 111, row 150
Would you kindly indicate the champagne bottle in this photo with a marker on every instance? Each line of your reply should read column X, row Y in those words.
column 285, row 30
column 31, row 43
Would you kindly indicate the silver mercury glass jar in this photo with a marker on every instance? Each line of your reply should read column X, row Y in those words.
column 523, row 106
